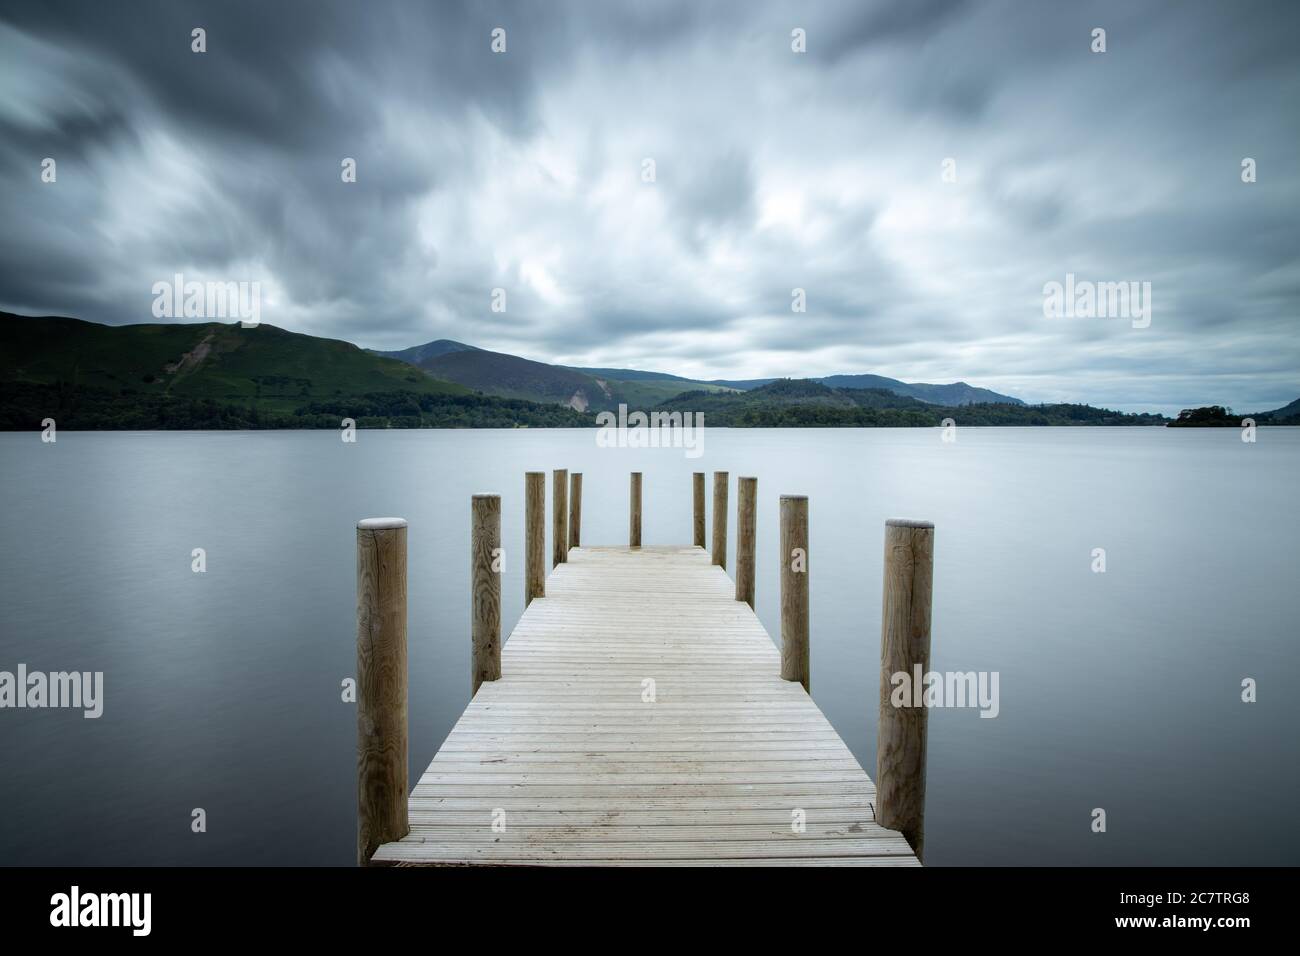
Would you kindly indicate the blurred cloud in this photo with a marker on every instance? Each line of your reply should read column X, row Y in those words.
column 774, row 170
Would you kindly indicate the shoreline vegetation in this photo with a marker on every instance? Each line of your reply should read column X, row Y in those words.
column 215, row 376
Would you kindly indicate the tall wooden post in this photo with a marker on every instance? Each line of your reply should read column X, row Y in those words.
column 634, row 511
column 746, row 518
column 534, row 536
column 575, row 510
column 697, row 487
column 485, row 589
column 794, row 590
column 720, row 519
column 381, row 685
column 559, row 516
column 904, row 649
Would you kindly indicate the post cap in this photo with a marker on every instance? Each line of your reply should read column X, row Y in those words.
column 486, row 494
column 794, row 497
column 380, row 524
column 908, row 523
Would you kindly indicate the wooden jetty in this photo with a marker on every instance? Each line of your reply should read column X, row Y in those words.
column 639, row 714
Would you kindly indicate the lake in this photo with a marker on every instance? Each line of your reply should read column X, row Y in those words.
column 1119, row 690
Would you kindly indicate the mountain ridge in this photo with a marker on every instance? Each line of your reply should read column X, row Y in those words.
column 807, row 403
column 418, row 353
column 589, row 395
column 220, row 375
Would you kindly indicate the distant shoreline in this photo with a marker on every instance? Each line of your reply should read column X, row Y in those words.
column 484, row 428
column 218, row 377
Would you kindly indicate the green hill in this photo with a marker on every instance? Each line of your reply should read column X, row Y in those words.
column 1286, row 415
column 646, row 389
column 418, row 353
column 805, row 403
column 216, row 375
column 509, row 376
column 648, row 392
column 956, row 393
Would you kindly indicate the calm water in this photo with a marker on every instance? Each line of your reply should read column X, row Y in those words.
column 222, row 690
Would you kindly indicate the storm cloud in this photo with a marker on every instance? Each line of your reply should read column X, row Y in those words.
column 772, row 171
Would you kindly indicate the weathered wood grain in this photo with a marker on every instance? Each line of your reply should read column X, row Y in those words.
column 575, row 510
column 485, row 589
column 579, row 761
column 634, row 511
column 534, row 536
column 795, row 658
column 720, row 479
column 381, row 685
column 904, row 645
column 746, row 530
column 697, row 495
column 559, row 517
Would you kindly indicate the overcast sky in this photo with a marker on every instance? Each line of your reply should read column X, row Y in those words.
column 774, row 170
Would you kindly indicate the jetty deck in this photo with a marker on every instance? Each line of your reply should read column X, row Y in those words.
column 640, row 718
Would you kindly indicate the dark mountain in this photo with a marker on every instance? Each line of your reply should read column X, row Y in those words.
column 1286, row 415
column 496, row 373
column 419, row 353
column 958, row 393
column 509, row 376
column 217, row 375
column 596, row 389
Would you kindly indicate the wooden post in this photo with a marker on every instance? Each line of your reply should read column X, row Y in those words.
column 746, row 507
column 381, row 684
column 720, row 519
column 904, row 649
column 559, row 516
column 634, row 514
column 794, row 589
column 534, row 536
column 697, row 484
column 575, row 510
column 485, row 590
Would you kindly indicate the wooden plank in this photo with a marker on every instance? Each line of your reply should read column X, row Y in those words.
column 641, row 719
column 514, row 833
column 520, row 800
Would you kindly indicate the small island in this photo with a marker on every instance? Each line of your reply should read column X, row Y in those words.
column 1218, row 416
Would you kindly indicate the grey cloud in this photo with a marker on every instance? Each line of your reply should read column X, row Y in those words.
column 717, row 193
column 852, row 32
column 774, row 171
